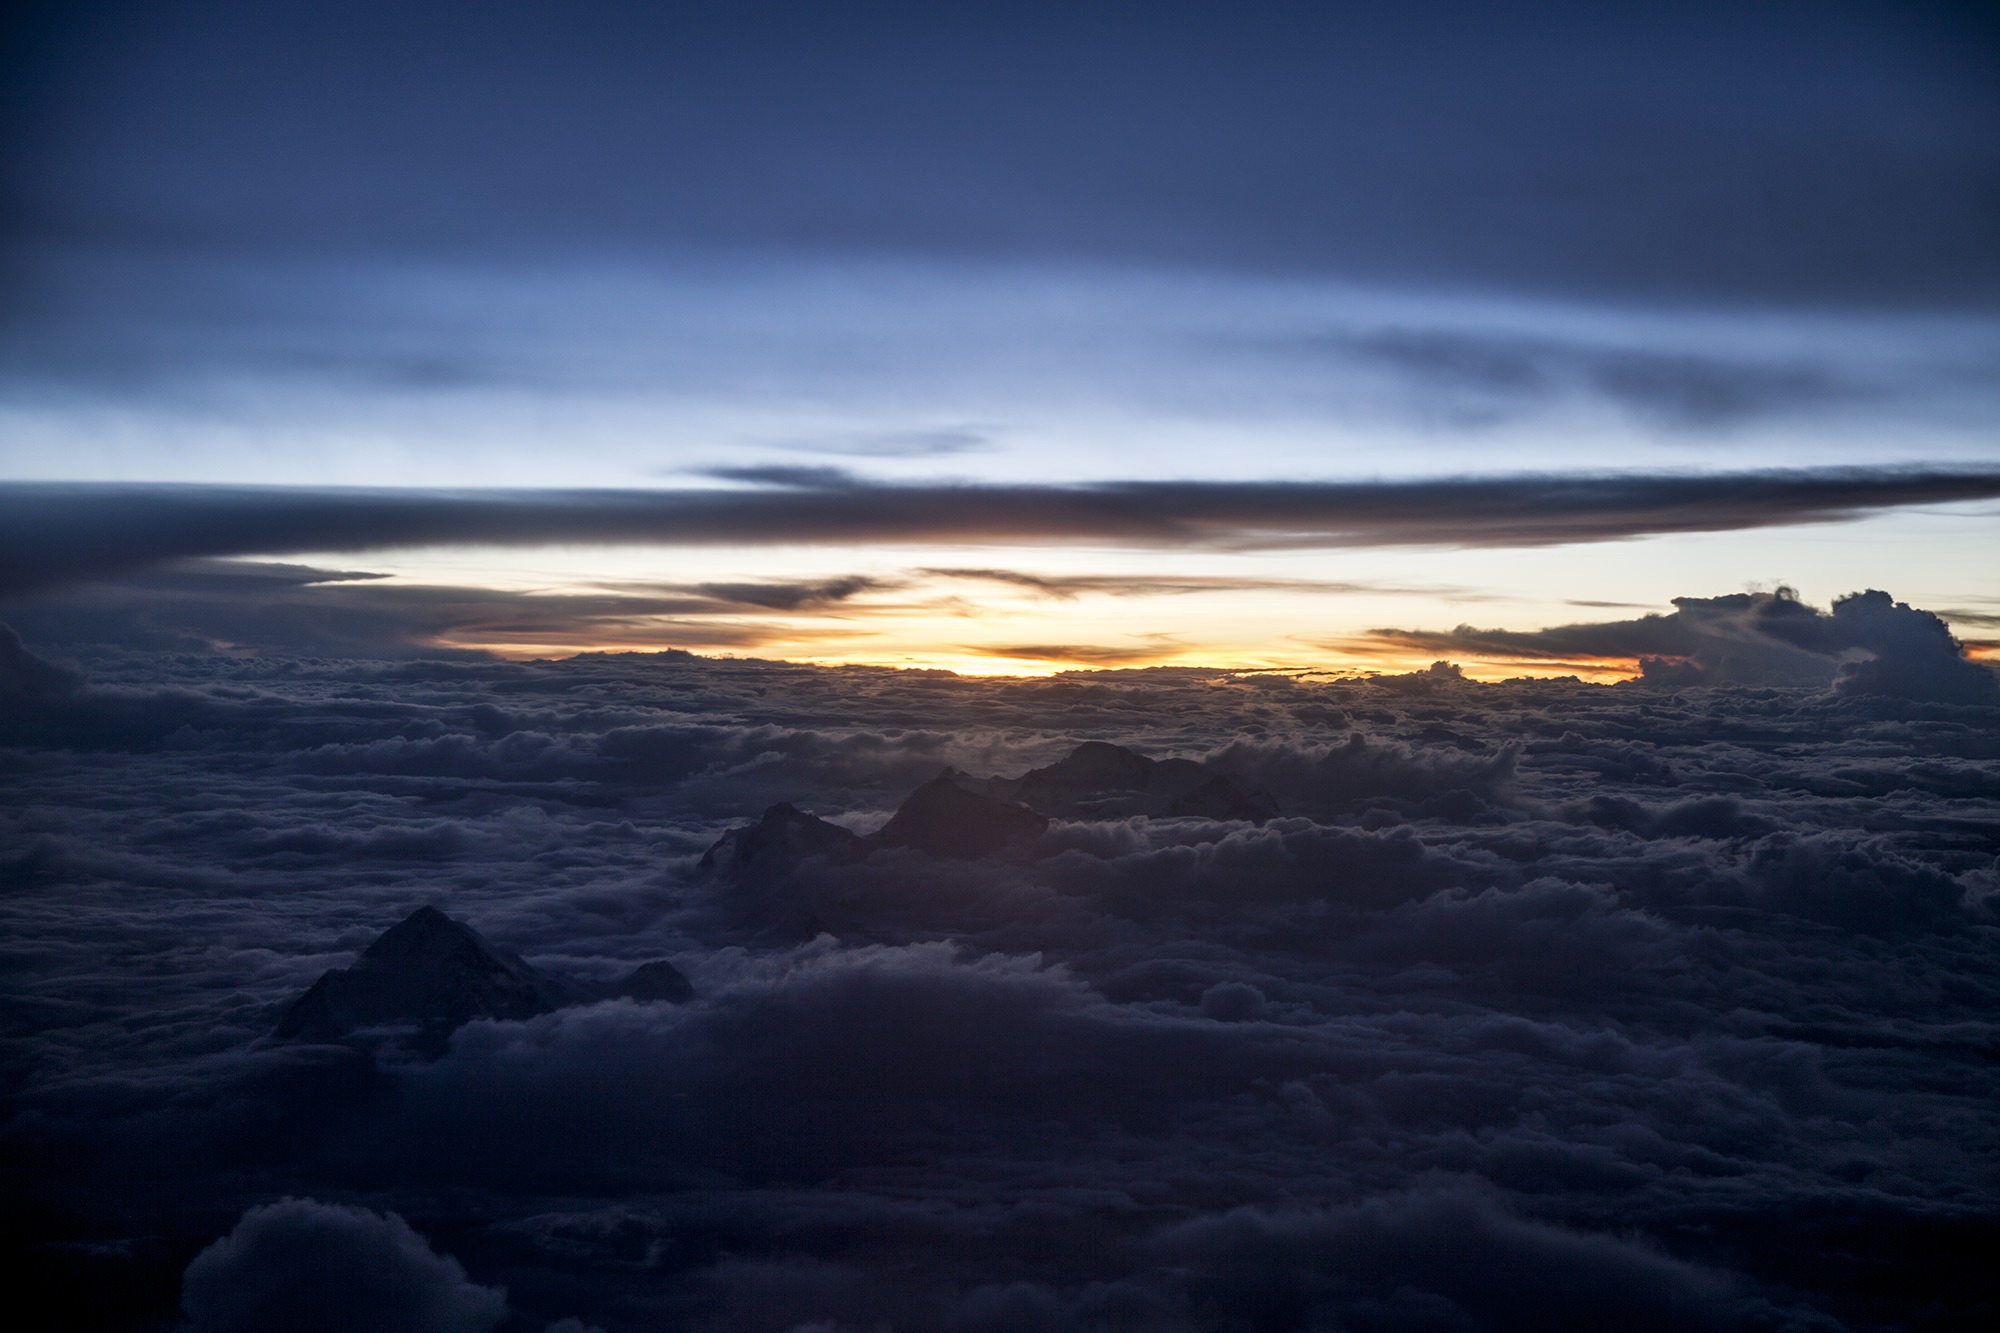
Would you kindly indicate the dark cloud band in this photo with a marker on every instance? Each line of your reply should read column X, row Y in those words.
column 52, row 532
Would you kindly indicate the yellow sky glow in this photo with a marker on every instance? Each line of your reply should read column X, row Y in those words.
column 1027, row 611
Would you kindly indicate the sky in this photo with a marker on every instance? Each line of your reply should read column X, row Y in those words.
column 1000, row 668
column 638, row 248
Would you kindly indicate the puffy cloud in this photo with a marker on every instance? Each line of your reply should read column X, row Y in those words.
column 1910, row 654
column 303, row 1264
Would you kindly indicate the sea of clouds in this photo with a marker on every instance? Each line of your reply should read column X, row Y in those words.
column 1538, row 1005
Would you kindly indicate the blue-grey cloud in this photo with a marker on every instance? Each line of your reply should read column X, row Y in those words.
column 940, row 442
column 1493, row 378
column 50, row 533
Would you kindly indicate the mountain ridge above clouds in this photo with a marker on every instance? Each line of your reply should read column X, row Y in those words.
column 429, row 975
column 957, row 816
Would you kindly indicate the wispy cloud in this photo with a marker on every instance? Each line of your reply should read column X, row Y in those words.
column 1081, row 654
column 938, row 442
column 1068, row 587
column 794, row 596
column 1474, row 376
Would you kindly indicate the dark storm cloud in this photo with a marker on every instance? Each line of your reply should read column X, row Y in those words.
column 51, row 532
column 1790, row 151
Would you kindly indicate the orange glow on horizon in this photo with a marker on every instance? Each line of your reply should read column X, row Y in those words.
column 1022, row 664
column 986, row 612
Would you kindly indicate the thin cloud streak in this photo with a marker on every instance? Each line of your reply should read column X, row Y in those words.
column 1084, row 654
column 51, row 533
column 1069, row 587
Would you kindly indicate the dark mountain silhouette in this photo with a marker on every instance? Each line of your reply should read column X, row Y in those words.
column 1092, row 767
column 655, row 981
column 1098, row 780
column 959, row 816
column 780, row 839
column 428, row 972
column 945, row 818
column 428, row 975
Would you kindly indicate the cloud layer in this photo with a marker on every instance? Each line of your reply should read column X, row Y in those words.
column 1674, row 149
column 50, row 533
column 1628, row 1003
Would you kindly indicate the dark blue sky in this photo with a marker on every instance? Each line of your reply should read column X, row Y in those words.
column 1789, row 153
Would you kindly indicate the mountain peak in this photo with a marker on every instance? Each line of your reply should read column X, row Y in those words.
column 944, row 818
column 783, row 835
column 428, row 973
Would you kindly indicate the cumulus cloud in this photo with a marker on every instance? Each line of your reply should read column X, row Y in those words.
column 1869, row 643
column 1905, row 652
column 303, row 1264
